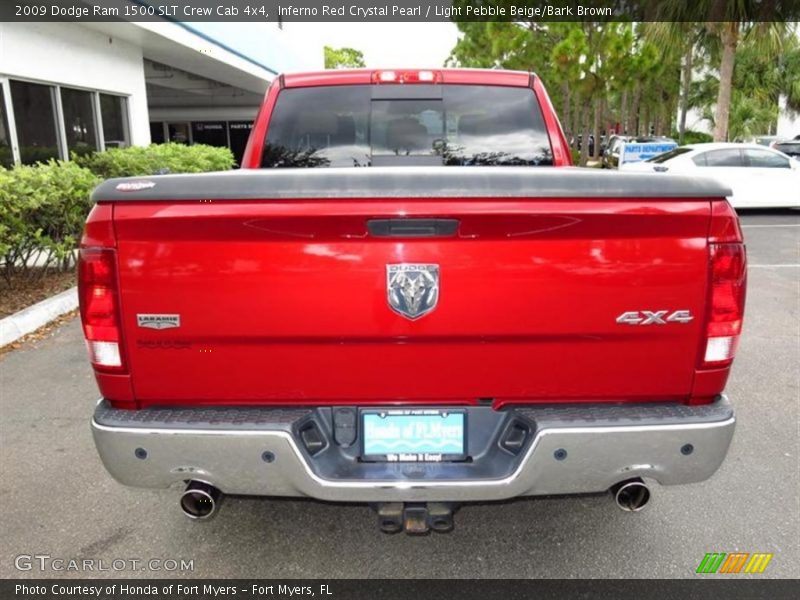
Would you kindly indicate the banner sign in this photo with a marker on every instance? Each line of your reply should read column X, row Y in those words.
column 393, row 589
column 530, row 11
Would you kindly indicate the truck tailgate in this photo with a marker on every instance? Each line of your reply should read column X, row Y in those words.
column 285, row 301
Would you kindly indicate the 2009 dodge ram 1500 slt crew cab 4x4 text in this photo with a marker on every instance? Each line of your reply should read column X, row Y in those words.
column 408, row 297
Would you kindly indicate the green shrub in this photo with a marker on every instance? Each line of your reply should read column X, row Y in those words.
column 43, row 207
column 6, row 158
column 36, row 154
column 694, row 137
column 157, row 158
column 42, row 212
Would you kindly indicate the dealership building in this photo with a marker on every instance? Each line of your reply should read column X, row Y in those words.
column 80, row 87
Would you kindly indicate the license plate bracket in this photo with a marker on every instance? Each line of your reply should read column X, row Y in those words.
column 413, row 435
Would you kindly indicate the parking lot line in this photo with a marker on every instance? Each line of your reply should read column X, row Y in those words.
column 773, row 266
column 770, row 226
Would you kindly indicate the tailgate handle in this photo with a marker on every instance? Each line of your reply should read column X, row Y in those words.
column 411, row 227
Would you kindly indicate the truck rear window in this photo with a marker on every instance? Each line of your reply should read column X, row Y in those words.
column 364, row 125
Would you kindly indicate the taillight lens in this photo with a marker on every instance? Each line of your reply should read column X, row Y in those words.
column 726, row 303
column 406, row 77
column 97, row 291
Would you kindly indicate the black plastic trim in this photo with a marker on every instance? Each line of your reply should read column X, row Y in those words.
column 212, row 417
column 626, row 415
column 411, row 182
column 412, row 227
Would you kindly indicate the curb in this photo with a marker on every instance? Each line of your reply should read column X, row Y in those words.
column 32, row 318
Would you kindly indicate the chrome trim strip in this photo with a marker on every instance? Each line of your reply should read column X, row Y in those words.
column 405, row 484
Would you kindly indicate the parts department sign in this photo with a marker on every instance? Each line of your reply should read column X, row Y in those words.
column 633, row 152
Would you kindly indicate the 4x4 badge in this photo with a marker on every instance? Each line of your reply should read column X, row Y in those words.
column 412, row 289
column 654, row 317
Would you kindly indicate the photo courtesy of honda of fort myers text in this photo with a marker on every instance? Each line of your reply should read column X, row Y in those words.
column 339, row 300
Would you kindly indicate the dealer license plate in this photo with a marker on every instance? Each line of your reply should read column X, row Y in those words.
column 413, row 435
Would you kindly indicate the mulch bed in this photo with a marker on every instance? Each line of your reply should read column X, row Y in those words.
column 27, row 291
column 41, row 334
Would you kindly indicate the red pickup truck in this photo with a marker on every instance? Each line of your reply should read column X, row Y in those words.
column 408, row 297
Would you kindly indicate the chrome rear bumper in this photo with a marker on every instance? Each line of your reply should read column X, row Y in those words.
column 253, row 451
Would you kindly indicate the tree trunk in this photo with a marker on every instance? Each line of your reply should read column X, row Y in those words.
column 623, row 112
column 729, row 36
column 686, row 82
column 672, row 116
column 598, row 111
column 584, row 135
column 644, row 122
column 633, row 125
column 576, row 121
column 565, row 103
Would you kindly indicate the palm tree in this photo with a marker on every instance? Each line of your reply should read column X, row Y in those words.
column 790, row 74
column 689, row 38
column 762, row 86
column 729, row 22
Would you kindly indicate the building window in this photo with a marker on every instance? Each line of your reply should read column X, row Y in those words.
column 233, row 134
column 156, row 132
column 240, row 131
column 179, row 133
column 6, row 154
column 79, row 123
column 114, row 112
column 212, row 134
column 35, row 117
column 46, row 128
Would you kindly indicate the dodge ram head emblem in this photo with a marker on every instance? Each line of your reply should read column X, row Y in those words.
column 412, row 290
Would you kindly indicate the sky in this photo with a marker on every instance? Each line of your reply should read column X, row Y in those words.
column 416, row 45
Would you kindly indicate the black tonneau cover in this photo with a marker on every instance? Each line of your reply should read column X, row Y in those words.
column 408, row 182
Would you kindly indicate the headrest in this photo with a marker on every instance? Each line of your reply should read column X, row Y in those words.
column 318, row 123
column 406, row 135
column 345, row 130
column 473, row 125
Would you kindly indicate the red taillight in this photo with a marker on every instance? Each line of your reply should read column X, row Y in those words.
column 728, row 280
column 97, row 291
column 423, row 76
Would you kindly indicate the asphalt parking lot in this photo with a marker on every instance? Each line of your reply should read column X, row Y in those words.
column 58, row 500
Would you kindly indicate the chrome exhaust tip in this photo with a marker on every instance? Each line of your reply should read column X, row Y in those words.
column 200, row 500
column 631, row 495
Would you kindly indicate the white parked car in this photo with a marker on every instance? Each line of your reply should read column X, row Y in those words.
column 760, row 177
